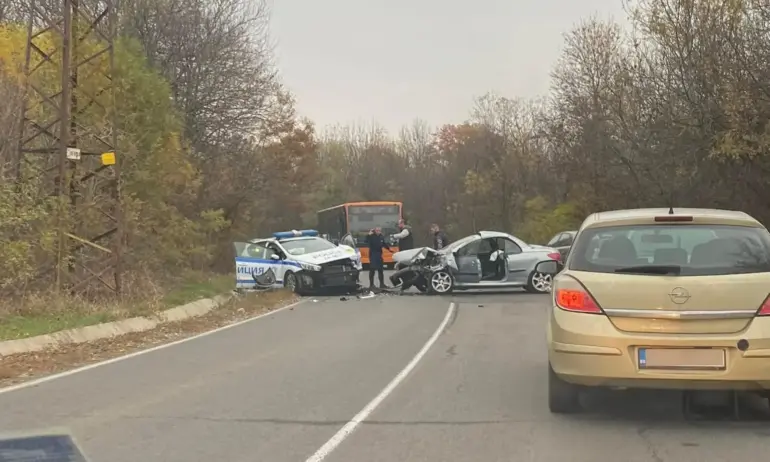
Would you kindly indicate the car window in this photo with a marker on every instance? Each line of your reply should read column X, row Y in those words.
column 250, row 250
column 565, row 240
column 697, row 249
column 470, row 248
column 555, row 239
column 596, row 243
column 461, row 243
column 510, row 247
column 487, row 246
column 271, row 250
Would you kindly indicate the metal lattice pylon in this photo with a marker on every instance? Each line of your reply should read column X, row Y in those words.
column 69, row 136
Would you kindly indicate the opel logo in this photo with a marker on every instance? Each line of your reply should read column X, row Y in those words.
column 679, row 295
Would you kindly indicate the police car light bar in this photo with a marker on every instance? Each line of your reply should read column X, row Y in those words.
column 295, row 233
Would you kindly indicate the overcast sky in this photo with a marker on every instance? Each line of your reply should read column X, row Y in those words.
column 357, row 61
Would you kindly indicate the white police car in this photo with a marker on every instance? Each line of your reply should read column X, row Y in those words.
column 298, row 260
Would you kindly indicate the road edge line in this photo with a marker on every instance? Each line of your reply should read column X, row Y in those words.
column 333, row 442
column 87, row 367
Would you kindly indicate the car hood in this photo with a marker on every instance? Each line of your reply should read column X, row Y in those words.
column 412, row 255
column 325, row 256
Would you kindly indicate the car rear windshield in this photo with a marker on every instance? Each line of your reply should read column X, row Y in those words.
column 683, row 249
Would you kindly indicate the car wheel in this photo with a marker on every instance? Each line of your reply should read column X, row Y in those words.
column 290, row 282
column 563, row 397
column 539, row 283
column 441, row 282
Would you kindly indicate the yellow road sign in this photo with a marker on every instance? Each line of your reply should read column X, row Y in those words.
column 108, row 158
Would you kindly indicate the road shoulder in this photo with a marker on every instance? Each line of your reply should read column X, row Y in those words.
column 61, row 357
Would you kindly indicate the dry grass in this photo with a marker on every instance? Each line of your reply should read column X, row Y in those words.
column 40, row 314
column 21, row 367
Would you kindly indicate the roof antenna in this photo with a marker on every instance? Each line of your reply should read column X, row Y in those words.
column 671, row 202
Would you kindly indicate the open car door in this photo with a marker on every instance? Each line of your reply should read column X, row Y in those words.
column 468, row 263
column 252, row 269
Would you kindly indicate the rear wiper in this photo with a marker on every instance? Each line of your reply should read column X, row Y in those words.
column 651, row 269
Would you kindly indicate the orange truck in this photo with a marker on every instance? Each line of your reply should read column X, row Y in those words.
column 350, row 223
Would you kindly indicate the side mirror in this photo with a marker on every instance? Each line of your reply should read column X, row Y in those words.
column 275, row 257
column 547, row 267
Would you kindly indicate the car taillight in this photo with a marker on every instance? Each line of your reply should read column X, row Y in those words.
column 555, row 256
column 578, row 301
column 764, row 310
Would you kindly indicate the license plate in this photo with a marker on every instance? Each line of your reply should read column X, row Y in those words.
column 682, row 358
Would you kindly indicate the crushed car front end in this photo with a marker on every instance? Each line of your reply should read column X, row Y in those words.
column 337, row 274
column 415, row 266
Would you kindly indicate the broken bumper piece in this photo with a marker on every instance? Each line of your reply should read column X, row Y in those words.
column 318, row 281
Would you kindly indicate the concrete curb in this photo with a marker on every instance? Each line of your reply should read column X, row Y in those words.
column 111, row 329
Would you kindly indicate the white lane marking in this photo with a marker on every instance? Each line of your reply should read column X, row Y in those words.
column 61, row 375
column 351, row 426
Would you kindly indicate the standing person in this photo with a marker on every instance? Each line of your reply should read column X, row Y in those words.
column 376, row 242
column 440, row 239
column 405, row 238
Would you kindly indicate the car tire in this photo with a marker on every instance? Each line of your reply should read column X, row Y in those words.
column 539, row 283
column 441, row 282
column 291, row 283
column 563, row 397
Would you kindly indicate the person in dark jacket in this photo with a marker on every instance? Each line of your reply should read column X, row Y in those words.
column 404, row 236
column 440, row 239
column 376, row 242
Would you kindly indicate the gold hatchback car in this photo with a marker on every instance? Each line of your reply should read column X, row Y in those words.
column 661, row 298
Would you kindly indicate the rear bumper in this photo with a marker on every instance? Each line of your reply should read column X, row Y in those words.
column 588, row 350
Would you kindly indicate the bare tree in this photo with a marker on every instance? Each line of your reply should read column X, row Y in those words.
column 217, row 57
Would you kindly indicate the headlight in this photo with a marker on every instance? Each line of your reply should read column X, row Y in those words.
column 310, row 267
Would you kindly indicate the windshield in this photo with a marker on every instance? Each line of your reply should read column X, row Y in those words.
column 303, row 246
column 363, row 218
column 457, row 244
column 686, row 250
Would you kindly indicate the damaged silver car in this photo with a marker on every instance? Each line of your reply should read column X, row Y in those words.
column 485, row 260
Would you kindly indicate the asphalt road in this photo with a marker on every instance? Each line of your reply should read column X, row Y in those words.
column 280, row 388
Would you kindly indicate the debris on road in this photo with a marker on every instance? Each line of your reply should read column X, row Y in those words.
column 362, row 293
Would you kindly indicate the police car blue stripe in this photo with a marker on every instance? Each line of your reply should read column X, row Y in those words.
column 251, row 281
column 266, row 261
